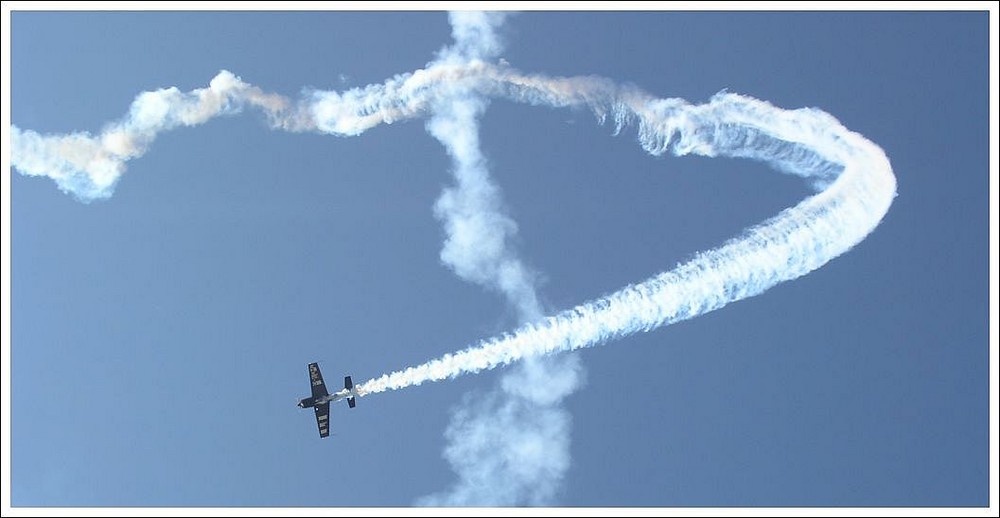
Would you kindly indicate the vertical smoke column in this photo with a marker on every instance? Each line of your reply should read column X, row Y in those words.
column 511, row 445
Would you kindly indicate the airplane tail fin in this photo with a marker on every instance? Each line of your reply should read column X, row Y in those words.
column 349, row 385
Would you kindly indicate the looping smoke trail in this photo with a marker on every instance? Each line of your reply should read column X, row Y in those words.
column 855, row 175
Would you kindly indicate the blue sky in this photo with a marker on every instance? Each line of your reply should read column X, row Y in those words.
column 159, row 338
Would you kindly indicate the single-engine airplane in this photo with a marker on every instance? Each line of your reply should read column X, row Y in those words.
column 321, row 399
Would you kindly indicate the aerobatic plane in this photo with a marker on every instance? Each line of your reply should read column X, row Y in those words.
column 321, row 399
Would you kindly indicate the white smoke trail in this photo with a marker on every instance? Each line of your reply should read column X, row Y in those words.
column 857, row 182
column 89, row 166
column 477, row 246
column 859, row 187
column 509, row 446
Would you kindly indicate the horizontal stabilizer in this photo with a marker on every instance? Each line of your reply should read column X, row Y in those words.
column 350, row 402
column 348, row 384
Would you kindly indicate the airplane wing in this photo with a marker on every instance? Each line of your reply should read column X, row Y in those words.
column 316, row 380
column 323, row 419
